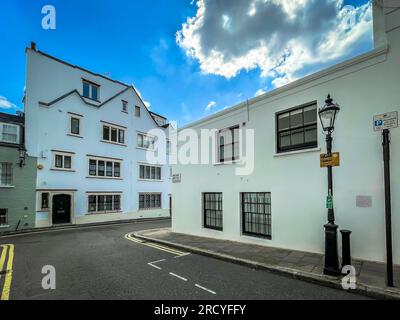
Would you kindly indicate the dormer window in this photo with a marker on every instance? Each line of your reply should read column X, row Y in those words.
column 90, row 90
column 9, row 133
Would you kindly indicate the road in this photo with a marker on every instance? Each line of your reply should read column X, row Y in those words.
column 103, row 263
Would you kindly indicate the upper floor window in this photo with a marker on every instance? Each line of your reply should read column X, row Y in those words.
column 145, row 141
column 9, row 133
column 74, row 124
column 297, row 128
column 137, row 111
column 148, row 172
column 113, row 134
column 104, row 168
column 124, row 106
column 228, row 144
column 91, row 90
column 62, row 161
column 6, row 174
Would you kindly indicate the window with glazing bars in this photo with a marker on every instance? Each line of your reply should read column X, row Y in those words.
column 228, row 144
column 256, row 214
column 297, row 128
column 6, row 174
column 212, row 208
column 3, row 217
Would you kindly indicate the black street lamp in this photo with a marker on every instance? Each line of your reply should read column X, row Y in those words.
column 327, row 115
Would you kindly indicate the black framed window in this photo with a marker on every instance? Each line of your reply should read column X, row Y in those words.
column 256, row 214
column 3, row 217
column 75, row 126
column 104, row 168
column 212, row 211
column 137, row 111
column 103, row 203
column 228, row 144
column 149, row 201
column 297, row 129
column 45, row 201
column 90, row 90
column 6, row 174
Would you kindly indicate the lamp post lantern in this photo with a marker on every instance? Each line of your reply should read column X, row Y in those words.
column 327, row 115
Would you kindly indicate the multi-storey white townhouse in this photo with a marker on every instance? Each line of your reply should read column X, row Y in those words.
column 281, row 201
column 91, row 137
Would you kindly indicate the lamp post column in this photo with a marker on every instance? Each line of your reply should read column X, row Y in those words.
column 331, row 242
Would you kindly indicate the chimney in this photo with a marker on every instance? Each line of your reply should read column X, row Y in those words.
column 33, row 46
column 379, row 24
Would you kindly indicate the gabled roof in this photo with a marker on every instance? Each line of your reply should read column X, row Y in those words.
column 127, row 87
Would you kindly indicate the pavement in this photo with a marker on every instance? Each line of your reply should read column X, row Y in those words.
column 369, row 279
column 109, row 263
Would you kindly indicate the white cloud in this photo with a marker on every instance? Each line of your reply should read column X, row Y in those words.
column 211, row 105
column 285, row 39
column 5, row 104
column 147, row 104
column 259, row 92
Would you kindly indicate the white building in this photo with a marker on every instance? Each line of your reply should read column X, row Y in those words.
column 212, row 201
column 90, row 135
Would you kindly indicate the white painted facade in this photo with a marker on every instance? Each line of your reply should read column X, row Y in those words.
column 54, row 92
column 364, row 86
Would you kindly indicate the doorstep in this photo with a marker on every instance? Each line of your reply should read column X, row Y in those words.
column 296, row 264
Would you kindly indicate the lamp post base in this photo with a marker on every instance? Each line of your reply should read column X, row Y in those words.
column 331, row 250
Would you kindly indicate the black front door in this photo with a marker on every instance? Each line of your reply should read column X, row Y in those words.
column 61, row 209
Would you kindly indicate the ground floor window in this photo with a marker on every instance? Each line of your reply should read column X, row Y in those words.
column 149, row 201
column 45, row 201
column 3, row 217
column 212, row 211
column 256, row 214
column 103, row 203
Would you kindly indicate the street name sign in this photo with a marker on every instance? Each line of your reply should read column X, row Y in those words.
column 330, row 161
column 386, row 121
column 176, row 178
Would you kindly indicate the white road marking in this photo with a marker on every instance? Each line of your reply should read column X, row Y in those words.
column 205, row 289
column 177, row 276
column 152, row 264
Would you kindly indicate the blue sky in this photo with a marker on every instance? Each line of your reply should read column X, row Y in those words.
column 135, row 42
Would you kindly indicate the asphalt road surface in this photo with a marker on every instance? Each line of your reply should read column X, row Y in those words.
column 103, row 263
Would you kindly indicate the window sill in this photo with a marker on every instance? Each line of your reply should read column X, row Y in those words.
column 105, row 178
column 124, row 111
column 148, row 209
column 150, row 180
column 102, row 212
column 239, row 161
column 145, row 149
column 91, row 99
column 6, row 187
column 276, row 155
column 115, row 143
column 62, row 170
column 5, row 226
column 74, row 135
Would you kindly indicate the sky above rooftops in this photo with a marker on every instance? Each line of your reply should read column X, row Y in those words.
column 188, row 59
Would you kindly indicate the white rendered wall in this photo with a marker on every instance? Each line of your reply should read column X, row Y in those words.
column 297, row 184
column 47, row 129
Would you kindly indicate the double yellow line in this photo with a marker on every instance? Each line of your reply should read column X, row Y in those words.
column 177, row 253
column 8, row 271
